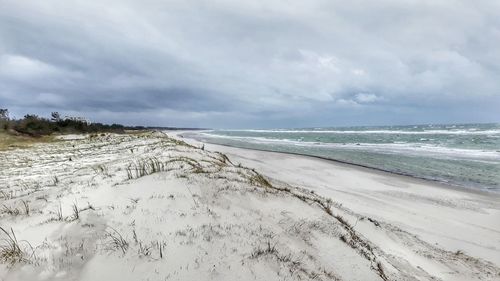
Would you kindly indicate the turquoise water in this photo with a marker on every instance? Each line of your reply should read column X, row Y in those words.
column 466, row 155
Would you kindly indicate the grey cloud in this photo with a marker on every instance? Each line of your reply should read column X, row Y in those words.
column 253, row 63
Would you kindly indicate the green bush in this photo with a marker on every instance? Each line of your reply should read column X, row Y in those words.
column 4, row 125
column 37, row 126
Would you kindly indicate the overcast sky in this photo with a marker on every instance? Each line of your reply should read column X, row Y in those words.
column 258, row 64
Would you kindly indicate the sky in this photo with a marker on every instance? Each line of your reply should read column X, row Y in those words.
column 252, row 64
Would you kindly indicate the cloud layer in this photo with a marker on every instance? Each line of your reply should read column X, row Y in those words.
column 253, row 63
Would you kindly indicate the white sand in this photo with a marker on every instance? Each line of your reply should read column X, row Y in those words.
column 204, row 217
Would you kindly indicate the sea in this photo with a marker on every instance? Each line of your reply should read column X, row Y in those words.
column 464, row 155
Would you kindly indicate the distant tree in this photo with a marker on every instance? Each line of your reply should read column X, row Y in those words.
column 34, row 126
column 30, row 116
column 4, row 113
column 55, row 116
column 4, row 119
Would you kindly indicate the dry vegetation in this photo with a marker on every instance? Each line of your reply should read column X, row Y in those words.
column 13, row 251
column 12, row 141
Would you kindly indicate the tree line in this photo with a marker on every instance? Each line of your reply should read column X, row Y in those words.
column 34, row 125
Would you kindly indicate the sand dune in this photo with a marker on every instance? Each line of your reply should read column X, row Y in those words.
column 151, row 207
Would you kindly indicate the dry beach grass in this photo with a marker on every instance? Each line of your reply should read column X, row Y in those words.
column 12, row 141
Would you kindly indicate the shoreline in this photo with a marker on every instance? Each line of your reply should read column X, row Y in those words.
column 436, row 182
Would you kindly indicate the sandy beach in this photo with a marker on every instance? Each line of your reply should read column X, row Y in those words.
column 452, row 218
column 153, row 207
column 455, row 218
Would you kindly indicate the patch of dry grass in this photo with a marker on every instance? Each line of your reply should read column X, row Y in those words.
column 10, row 141
column 116, row 241
column 10, row 248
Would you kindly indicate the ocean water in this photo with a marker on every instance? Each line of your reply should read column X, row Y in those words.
column 466, row 155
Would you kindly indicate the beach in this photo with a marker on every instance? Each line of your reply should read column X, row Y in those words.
column 156, row 206
column 452, row 218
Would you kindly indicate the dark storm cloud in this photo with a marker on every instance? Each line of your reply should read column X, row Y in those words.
column 252, row 63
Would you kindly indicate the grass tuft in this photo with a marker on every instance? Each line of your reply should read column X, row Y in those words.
column 380, row 270
column 117, row 242
column 144, row 250
column 258, row 179
column 59, row 212
column 76, row 211
column 26, row 207
column 10, row 249
column 144, row 167
column 11, row 211
column 6, row 195
column 55, row 180
column 101, row 170
column 267, row 250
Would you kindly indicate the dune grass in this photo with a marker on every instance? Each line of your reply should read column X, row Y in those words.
column 10, row 248
column 11, row 141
